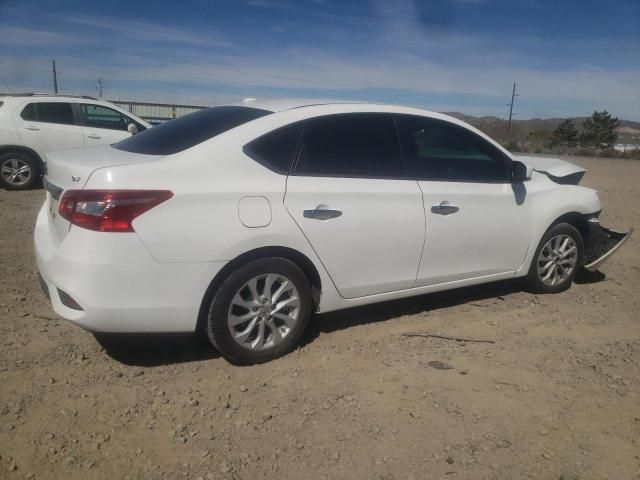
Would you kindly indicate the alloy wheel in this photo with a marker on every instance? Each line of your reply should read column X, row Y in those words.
column 264, row 311
column 15, row 171
column 557, row 259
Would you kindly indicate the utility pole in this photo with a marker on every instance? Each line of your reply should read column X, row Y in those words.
column 99, row 86
column 55, row 78
column 513, row 96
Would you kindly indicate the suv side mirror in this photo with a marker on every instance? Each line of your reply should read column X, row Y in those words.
column 520, row 172
column 132, row 128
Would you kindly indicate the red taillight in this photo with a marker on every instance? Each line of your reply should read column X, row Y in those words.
column 108, row 210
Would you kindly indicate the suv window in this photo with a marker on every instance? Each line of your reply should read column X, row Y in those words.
column 448, row 152
column 276, row 149
column 29, row 112
column 351, row 145
column 185, row 132
column 50, row 112
column 97, row 116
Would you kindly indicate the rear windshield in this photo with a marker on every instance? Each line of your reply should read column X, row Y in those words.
column 185, row 132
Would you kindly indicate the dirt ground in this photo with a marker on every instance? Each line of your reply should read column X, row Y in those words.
column 557, row 396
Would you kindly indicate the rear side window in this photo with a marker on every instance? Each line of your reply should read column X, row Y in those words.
column 351, row 145
column 54, row 112
column 444, row 151
column 276, row 149
column 185, row 132
column 29, row 113
column 49, row 112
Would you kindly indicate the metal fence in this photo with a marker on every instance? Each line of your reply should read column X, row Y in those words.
column 158, row 112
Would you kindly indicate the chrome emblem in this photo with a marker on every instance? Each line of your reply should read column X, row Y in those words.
column 75, row 179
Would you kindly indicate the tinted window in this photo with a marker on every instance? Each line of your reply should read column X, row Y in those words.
column 98, row 116
column 276, row 150
column 185, row 132
column 356, row 145
column 54, row 113
column 444, row 151
column 29, row 112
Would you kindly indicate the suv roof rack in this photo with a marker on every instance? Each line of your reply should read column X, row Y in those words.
column 40, row 94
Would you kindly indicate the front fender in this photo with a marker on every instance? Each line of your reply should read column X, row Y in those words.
column 550, row 205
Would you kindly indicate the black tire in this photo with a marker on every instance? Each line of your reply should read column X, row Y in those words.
column 533, row 279
column 217, row 327
column 24, row 159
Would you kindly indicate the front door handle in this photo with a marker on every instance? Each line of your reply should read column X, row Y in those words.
column 32, row 127
column 321, row 214
column 95, row 136
column 445, row 208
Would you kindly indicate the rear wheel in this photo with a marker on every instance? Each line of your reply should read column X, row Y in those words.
column 556, row 260
column 260, row 311
column 18, row 171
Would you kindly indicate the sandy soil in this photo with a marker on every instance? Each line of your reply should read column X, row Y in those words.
column 557, row 396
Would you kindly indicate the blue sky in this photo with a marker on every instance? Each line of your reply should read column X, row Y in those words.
column 568, row 57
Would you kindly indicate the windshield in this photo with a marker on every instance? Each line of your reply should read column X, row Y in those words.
column 185, row 132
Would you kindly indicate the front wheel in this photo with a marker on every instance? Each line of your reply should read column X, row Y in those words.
column 556, row 260
column 260, row 311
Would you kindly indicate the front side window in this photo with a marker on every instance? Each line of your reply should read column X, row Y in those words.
column 97, row 116
column 185, row 132
column 444, row 151
column 49, row 112
column 351, row 145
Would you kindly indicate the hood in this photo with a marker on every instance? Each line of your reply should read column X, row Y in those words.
column 71, row 168
column 558, row 170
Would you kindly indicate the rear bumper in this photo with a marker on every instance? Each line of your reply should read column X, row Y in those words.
column 118, row 285
column 602, row 244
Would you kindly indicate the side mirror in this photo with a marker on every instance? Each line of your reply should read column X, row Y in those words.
column 132, row 128
column 520, row 172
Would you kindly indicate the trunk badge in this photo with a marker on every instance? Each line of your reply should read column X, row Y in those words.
column 75, row 179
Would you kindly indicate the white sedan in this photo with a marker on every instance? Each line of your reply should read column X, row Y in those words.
column 241, row 221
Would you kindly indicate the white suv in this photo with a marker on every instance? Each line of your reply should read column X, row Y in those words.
column 32, row 125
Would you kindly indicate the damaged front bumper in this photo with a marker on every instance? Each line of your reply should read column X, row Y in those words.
column 602, row 243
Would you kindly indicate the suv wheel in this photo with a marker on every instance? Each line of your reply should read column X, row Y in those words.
column 260, row 311
column 557, row 259
column 18, row 171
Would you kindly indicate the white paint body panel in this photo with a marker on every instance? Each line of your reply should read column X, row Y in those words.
column 488, row 235
column 376, row 244
column 155, row 279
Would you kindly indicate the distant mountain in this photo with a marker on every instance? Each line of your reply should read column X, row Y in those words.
column 539, row 130
column 538, row 124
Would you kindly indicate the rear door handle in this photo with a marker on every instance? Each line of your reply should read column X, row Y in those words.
column 32, row 127
column 445, row 208
column 95, row 136
column 321, row 214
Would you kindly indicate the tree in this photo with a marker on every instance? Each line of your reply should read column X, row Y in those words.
column 565, row 134
column 599, row 131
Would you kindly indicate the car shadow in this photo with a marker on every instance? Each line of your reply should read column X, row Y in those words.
column 380, row 312
column 167, row 349
column 157, row 350
column 585, row 276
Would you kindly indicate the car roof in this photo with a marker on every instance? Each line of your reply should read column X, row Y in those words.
column 319, row 107
column 48, row 95
column 286, row 104
column 282, row 104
